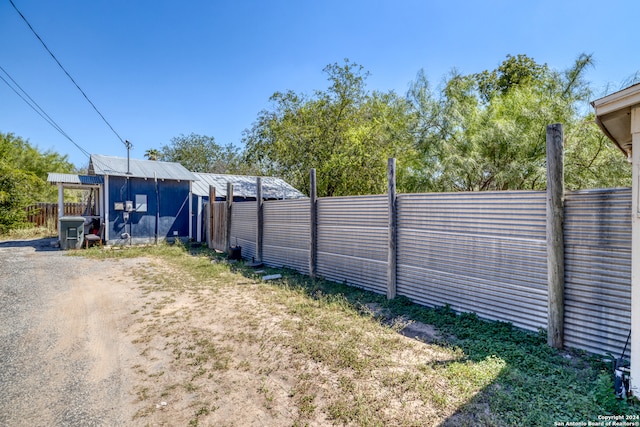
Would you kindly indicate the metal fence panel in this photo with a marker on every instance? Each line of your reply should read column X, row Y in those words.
column 244, row 222
column 287, row 235
column 597, row 235
column 353, row 240
column 481, row 252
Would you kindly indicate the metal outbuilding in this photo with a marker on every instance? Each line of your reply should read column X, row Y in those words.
column 138, row 201
column 244, row 189
column 618, row 115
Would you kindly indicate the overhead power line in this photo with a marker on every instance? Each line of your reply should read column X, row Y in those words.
column 67, row 73
column 37, row 108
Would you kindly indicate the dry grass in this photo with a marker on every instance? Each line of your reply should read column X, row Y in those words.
column 222, row 347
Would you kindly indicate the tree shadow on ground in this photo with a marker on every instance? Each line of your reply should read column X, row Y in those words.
column 39, row 245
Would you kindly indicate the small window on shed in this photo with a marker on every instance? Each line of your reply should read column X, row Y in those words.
column 141, row 202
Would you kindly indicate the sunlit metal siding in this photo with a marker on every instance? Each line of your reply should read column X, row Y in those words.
column 66, row 178
column 353, row 240
column 243, row 228
column 286, row 235
column 479, row 252
column 244, row 186
column 597, row 233
column 150, row 169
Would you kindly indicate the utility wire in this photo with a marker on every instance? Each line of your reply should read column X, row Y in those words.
column 36, row 107
column 31, row 102
column 67, row 73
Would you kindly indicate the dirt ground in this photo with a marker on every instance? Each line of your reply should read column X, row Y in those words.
column 91, row 343
column 67, row 350
column 129, row 342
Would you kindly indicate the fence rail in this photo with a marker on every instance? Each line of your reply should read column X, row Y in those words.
column 46, row 214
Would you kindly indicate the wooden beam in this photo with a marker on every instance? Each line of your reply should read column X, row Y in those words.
column 212, row 222
column 313, row 225
column 555, row 236
column 229, row 210
column 260, row 217
column 393, row 223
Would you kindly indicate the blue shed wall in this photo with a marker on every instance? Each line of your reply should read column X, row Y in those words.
column 171, row 202
column 198, row 218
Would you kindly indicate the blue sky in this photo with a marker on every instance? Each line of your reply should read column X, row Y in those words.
column 157, row 69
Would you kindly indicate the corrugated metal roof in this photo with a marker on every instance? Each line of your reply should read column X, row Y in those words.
column 244, row 186
column 67, row 178
column 108, row 165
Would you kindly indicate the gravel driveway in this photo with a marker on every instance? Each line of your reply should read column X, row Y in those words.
column 64, row 354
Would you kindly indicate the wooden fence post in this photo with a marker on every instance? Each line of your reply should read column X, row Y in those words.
column 393, row 222
column 555, row 236
column 260, row 217
column 229, row 209
column 313, row 225
column 212, row 222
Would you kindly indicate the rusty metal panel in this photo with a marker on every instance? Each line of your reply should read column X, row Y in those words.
column 353, row 240
column 598, row 269
column 482, row 252
column 286, row 235
column 244, row 222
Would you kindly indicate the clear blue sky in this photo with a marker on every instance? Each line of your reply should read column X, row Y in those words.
column 157, row 69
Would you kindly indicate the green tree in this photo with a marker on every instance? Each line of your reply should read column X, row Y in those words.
column 592, row 160
column 23, row 178
column 200, row 153
column 152, row 154
column 487, row 131
column 344, row 132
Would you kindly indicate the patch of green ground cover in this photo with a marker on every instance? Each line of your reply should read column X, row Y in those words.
column 497, row 374
column 537, row 385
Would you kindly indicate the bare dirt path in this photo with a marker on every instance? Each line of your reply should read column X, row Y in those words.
column 143, row 341
column 65, row 356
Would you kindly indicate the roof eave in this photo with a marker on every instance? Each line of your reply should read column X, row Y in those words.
column 613, row 115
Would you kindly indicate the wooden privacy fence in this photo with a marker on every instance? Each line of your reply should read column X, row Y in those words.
column 217, row 226
column 45, row 214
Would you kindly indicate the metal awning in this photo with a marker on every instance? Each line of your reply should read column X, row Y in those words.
column 75, row 181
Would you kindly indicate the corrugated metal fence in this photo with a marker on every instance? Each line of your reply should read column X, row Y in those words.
column 478, row 252
column 244, row 221
column 286, row 234
column 482, row 252
column 598, row 269
column 353, row 239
